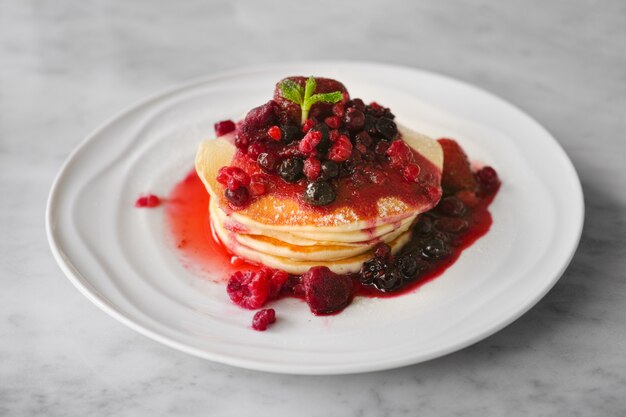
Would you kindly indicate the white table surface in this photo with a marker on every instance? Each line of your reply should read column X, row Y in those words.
column 66, row 66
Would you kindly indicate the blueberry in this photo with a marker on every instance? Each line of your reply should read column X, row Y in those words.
column 330, row 169
column 238, row 197
column 370, row 125
column 319, row 193
column 347, row 168
column 357, row 103
column 407, row 266
column 451, row 206
column 372, row 269
column 290, row 133
column 424, row 226
column 389, row 281
column 387, row 128
column 291, row 169
column 435, row 249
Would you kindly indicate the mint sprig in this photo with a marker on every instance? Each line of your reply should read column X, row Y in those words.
column 305, row 97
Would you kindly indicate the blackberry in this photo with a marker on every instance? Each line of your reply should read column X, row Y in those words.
column 319, row 193
column 291, row 169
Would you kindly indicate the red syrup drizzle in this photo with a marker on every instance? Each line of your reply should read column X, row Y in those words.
column 188, row 217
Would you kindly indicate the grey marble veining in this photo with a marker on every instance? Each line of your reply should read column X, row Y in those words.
column 67, row 65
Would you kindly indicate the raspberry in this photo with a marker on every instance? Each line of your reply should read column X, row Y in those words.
column 308, row 124
column 233, row 177
column 333, row 122
column 341, row 149
column 148, row 201
column 275, row 133
column 224, row 127
column 310, row 141
column 326, row 292
column 312, row 168
column 399, row 154
column 339, row 109
column 258, row 185
column 263, row 318
column 248, row 289
column 457, row 174
column 334, row 135
column 411, row 172
column 277, row 280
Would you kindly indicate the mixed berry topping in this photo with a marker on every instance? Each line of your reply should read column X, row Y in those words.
column 438, row 236
column 313, row 135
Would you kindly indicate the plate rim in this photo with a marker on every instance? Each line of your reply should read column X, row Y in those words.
column 80, row 283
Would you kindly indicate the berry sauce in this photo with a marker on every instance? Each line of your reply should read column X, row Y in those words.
column 188, row 219
column 187, row 215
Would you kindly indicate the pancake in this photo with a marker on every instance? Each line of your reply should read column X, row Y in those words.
column 316, row 252
column 292, row 266
column 314, row 238
column 279, row 231
column 270, row 213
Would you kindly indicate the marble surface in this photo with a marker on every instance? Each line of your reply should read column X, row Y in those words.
column 67, row 65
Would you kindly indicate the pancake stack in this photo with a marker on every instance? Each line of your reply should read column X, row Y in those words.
column 285, row 234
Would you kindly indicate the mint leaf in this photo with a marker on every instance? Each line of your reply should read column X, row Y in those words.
column 305, row 97
column 292, row 91
column 309, row 88
column 330, row 98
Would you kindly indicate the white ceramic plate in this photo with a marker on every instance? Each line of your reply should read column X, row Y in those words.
column 120, row 258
